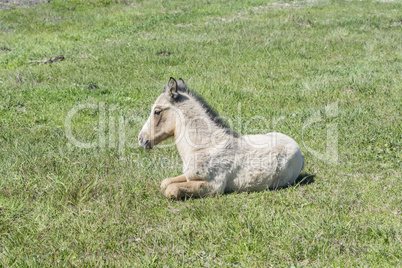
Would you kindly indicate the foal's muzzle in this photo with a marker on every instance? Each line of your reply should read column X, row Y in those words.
column 144, row 143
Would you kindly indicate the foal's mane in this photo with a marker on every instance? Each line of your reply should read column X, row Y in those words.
column 211, row 112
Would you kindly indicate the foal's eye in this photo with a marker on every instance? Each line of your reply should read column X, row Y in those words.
column 158, row 112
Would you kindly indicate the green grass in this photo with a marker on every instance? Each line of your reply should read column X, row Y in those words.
column 284, row 61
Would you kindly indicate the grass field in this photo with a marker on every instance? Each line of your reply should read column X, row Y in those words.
column 327, row 73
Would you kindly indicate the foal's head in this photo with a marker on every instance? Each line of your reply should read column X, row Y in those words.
column 161, row 123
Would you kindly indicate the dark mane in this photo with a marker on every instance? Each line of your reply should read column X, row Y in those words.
column 211, row 112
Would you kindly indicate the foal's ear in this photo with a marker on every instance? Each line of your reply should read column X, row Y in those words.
column 181, row 85
column 172, row 88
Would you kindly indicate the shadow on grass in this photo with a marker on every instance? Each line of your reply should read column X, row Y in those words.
column 303, row 179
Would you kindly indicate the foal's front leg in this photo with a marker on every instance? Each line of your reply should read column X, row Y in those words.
column 197, row 188
column 168, row 181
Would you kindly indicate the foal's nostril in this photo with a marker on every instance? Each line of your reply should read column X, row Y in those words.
column 140, row 140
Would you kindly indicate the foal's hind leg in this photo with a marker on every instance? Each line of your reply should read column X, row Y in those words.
column 168, row 181
column 190, row 189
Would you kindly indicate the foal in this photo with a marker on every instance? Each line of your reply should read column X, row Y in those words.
column 216, row 160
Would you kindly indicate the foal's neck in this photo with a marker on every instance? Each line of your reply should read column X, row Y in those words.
column 199, row 132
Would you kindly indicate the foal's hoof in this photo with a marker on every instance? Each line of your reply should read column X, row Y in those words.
column 165, row 183
column 172, row 192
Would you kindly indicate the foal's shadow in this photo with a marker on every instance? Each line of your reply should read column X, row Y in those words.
column 303, row 179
